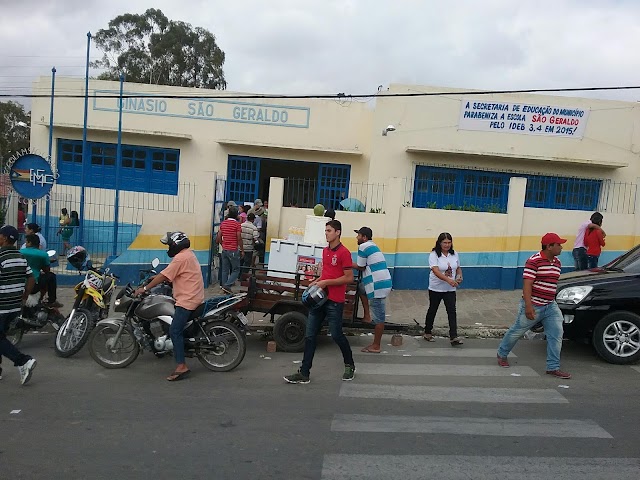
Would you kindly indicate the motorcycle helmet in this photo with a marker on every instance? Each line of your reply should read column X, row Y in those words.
column 177, row 241
column 78, row 257
column 314, row 297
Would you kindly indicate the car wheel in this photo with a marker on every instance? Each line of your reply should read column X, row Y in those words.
column 616, row 338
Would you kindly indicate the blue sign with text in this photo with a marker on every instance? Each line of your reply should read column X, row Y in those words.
column 31, row 176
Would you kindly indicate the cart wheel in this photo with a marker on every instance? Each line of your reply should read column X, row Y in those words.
column 288, row 332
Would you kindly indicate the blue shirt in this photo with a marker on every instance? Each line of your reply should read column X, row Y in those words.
column 37, row 260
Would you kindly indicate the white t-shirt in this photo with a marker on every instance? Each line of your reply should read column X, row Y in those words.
column 448, row 266
column 579, row 243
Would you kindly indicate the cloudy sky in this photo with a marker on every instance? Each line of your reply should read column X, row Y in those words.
column 352, row 46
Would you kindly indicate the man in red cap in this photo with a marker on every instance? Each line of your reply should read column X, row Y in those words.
column 538, row 304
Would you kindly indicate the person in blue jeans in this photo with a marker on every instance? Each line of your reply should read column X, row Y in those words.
column 541, row 273
column 230, row 238
column 336, row 274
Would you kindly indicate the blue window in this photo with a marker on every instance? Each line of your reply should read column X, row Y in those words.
column 562, row 193
column 142, row 169
column 333, row 180
column 453, row 188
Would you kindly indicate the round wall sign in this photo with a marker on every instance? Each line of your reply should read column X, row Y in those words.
column 31, row 176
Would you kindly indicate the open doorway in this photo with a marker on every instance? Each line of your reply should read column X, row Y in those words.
column 301, row 181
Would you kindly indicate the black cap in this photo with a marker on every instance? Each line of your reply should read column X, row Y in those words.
column 10, row 232
column 365, row 232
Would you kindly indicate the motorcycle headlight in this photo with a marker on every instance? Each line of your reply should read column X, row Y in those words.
column 573, row 294
column 117, row 302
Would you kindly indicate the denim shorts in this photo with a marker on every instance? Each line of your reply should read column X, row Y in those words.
column 378, row 311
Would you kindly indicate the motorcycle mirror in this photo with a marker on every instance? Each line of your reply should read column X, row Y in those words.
column 155, row 262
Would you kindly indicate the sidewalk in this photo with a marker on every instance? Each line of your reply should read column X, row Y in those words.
column 481, row 313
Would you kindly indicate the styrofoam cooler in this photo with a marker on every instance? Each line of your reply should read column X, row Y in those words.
column 286, row 256
column 314, row 230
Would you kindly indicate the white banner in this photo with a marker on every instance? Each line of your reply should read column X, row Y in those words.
column 523, row 118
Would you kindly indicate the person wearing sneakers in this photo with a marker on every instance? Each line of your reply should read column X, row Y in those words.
column 541, row 272
column 16, row 281
column 375, row 284
column 336, row 274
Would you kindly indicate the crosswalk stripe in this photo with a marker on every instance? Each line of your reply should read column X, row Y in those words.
column 442, row 352
column 444, row 370
column 517, row 427
column 452, row 394
column 445, row 467
column 637, row 369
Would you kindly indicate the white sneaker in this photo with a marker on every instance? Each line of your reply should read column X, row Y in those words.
column 26, row 370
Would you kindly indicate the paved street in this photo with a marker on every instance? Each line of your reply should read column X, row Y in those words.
column 481, row 313
column 422, row 410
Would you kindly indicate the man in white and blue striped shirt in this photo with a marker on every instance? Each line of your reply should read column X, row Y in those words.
column 375, row 285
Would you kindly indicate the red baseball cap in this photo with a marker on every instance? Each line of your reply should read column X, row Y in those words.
column 550, row 238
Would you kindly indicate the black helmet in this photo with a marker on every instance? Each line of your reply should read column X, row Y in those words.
column 177, row 241
column 314, row 297
column 78, row 258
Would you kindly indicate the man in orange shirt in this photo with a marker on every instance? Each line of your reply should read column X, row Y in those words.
column 188, row 290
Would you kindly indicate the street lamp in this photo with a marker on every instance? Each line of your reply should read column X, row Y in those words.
column 390, row 128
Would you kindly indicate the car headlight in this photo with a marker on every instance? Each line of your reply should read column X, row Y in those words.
column 573, row 294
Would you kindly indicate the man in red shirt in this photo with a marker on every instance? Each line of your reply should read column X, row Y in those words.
column 336, row 274
column 541, row 272
column 230, row 237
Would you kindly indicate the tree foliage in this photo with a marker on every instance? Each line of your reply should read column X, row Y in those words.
column 13, row 137
column 150, row 48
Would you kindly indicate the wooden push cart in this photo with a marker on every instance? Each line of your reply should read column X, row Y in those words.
column 278, row 295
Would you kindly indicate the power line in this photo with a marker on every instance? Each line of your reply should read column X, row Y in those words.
column 341, row 96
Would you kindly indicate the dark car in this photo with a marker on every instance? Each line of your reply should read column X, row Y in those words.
column 603, row 306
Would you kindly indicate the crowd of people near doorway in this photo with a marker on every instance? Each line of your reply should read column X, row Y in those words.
column 242, row 236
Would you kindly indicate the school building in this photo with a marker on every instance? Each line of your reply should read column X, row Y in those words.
column 496, row 171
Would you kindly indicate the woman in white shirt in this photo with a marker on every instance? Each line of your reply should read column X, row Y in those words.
column 445, row 277
column 34, row 228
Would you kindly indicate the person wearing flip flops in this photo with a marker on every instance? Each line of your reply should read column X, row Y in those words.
column 444, row 279
column 375, row 285
column 188, row 291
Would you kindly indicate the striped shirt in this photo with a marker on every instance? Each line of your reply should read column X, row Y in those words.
column 544, row 274
column 14, row 271
column 230, row 229
column 249, row 236
column 376, row 278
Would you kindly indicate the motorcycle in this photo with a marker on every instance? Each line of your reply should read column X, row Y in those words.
column 215, row 334
column 35, row 315
column 91, row 304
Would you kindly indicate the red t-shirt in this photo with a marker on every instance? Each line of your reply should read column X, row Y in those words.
column 334, row 262
column 230, row 229
column 594, row 242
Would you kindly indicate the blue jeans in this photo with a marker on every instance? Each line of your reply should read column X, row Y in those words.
column 7, row 349
column 332, row 312
column 176, row 332
column 551, row 318
column 592, row 261
column 580, row 258
column 230, row 266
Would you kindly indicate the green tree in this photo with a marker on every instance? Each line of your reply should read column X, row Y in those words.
column 150, row 48
column 14, row 136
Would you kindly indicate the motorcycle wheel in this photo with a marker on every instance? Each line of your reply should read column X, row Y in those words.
column 108, row 352
column 227, row 349
column 74, row 333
